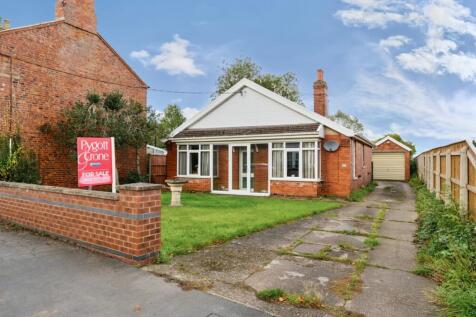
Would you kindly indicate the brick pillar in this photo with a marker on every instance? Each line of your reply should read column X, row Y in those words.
column 143, row 202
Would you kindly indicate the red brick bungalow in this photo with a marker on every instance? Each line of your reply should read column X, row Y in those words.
column 47, row 67
column 252, row 141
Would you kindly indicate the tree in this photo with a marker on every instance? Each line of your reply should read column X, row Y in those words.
column 284, row 85
column 110, row 115
column 401, row 140
column 348, row 121
column 171, row 119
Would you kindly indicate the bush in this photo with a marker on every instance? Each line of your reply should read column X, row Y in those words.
column 134, row 177
column 447, row 252
column 16, row 163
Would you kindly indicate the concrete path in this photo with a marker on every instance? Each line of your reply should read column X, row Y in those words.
column 41, row 277
column 319, row 256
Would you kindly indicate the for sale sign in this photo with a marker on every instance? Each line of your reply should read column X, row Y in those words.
column 96, row 162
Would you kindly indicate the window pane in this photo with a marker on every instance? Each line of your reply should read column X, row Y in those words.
column 205, row 162
column 182, row 147
column 308, row 164
column 294, row 145
column 194, row 147
column 183, row 163
column 215, row 163
column 278, row 157
column 205, row 147
column 278, row 145
column 193, row 167
column 293, row 164
column 308, row 145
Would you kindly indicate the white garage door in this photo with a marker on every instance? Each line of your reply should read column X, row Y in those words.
column 389, row 166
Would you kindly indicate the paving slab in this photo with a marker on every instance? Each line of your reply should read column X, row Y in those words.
column 394, row 254
column 357, row 212
column 332, row 238
column 393, row 293
column 400, row 215
column 310, row 248
column 344, row 225
column 303, row 276
column 398, row 230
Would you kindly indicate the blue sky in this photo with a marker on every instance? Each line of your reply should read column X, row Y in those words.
column 405, row 66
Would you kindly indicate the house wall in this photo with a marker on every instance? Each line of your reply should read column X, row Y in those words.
column 363, row 166
column 336, row 171
column 55, row 65
column 389, row 146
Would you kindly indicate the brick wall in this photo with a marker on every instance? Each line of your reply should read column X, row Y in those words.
column 53, row 66
column 390, row 147
column 125, row 225
column 296, row 189
column 363, row 165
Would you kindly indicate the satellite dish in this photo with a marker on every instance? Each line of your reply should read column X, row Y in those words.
column 331, row 146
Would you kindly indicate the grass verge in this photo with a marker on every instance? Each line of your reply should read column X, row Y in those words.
column 207, row 219
column 447, row 253
column 360, row 194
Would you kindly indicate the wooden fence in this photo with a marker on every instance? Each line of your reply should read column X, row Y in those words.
column 450, row 172
column 157, row 168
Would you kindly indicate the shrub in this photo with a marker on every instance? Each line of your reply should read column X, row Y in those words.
column 360, row 194
column 16, row 163
column 134, row 177
column 447, row 252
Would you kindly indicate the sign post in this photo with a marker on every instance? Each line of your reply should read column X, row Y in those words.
column 96, row 162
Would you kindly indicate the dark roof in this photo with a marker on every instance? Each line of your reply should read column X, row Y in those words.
column 196, row 133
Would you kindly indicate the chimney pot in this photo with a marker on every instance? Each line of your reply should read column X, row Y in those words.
column 320, row 74
column 6, row 24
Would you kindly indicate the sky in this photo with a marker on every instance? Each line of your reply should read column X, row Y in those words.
column 400, row 66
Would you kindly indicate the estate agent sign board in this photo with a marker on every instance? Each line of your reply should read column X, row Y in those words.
column 96, row 162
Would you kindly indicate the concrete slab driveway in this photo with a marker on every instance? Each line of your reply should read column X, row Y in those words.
column 40, row 277
column 330, row 256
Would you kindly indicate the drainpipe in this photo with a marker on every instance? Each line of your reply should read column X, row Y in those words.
column 11, row 97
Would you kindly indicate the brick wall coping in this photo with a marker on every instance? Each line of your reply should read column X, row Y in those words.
column 141, row 187
column 62, row 190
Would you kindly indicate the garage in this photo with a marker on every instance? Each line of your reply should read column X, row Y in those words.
column 389, row 166
column 391, row 160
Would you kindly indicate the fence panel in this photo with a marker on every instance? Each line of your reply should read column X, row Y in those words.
column 158, row 168
column 450, row 172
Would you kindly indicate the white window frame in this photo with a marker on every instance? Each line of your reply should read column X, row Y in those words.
column 189, row 151
column 300, row 178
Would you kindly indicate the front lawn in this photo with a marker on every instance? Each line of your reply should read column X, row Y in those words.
column 208, row 218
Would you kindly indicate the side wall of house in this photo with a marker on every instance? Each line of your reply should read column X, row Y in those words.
column 363, row 165
column 54, row 66
column 391, row 147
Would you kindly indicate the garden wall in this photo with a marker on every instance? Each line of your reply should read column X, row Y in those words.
column 450, row 172
column 125, row 225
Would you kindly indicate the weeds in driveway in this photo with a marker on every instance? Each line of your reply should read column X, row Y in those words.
column 371, row 240
column 447, row 253
column 352, row 284
column 277, row 295
column 360, row 194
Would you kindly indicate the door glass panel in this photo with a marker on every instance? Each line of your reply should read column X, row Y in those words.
column 239, row 167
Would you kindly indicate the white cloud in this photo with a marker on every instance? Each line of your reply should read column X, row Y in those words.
column 189, row 112
column 411, row 108
column 446, row 25
column 395, row 41
column 174, row 58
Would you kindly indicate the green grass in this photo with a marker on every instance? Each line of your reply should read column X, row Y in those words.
column 447, row 253
column 371, row 241
column 360, row 194
column 207, row 219
column 277, row 295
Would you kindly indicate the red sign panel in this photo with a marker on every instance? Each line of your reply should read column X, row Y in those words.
column 95, row 161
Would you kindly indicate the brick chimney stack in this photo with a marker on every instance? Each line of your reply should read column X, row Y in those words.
column 80, row 13
column 320, row 94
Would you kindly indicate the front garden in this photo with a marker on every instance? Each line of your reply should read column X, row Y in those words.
column 206, row 218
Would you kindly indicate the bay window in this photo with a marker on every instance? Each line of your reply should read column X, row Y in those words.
column 194, row 160
column 295, row 160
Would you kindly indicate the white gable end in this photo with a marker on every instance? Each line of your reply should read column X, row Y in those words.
column 250, row 108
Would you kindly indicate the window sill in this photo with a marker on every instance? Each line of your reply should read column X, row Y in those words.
column 192, row 176
column 296, row 180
